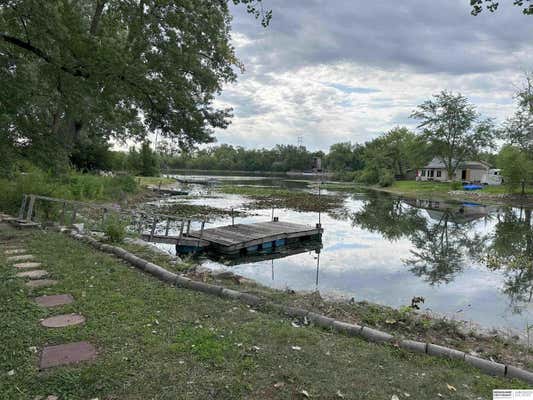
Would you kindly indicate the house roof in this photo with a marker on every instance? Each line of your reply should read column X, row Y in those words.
column 437, row 163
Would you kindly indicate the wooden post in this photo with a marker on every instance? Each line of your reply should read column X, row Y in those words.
column 232, row 218
column 63, row 211
column 29, row 215
column 272, row 213
column 23, row 206
column 202, row 229
column 152, row 231
column 167, row 228
column 181, row 228
column 319, row 207
column 74, row 214
column 188, row 227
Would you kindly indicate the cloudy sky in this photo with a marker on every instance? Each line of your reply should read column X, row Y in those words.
column 348, row 70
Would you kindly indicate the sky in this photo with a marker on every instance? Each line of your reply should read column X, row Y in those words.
column 349, row 70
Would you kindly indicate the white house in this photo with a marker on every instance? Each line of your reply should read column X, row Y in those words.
column 467, row 171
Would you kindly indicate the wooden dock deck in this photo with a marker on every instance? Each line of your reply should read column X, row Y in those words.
column 242, row 238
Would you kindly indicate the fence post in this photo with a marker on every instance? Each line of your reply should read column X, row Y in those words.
column 29, row 215
column 22, row 206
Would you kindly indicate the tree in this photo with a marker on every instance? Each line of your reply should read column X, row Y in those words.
column 115, row 68
column 517, row 168
column 345, row 156
column 492, row 6
column 393, row 154
column 518, row 129
column 453, row 128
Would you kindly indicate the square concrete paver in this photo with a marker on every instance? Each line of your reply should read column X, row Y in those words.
column 35, row 274
column 54, row 300
column 64, row 354
column 27, row 265
column 37, row 283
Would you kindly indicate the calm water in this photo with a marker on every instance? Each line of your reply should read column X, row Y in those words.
column 469, row 261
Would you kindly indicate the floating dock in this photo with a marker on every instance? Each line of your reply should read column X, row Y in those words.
column 241, row 238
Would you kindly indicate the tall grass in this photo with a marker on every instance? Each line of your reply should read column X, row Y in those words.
column 71, row 186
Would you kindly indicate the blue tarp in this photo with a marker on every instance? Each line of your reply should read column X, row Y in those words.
column 472, row 187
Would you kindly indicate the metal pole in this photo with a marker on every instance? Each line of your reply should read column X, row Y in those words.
column 319, row 206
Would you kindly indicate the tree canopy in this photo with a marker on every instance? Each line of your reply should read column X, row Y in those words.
column 454, row 128
column 492, row 5
column 115, row 68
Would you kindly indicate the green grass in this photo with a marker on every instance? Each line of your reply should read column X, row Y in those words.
column 442, row 187
column 160, row 342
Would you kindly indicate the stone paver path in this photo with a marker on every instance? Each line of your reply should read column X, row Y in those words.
column 27, row 265
column 15, row 251
column 25, row 257
column 64, row 354
column 61, row 321
column 35, row 274
column 37, row 283
column 54, row 300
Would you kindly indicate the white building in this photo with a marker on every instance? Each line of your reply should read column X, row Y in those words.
column 467, row 171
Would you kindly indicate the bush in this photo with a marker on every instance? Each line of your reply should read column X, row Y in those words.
column 115, row 229
column 456, row 186
column 386, row 179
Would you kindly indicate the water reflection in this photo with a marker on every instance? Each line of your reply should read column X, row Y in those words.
column 467, row 260
column 445, row 241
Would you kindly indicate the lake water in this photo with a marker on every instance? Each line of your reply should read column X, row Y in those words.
column 469, row 261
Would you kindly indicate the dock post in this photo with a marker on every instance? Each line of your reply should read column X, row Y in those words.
column 272, row 213
column 232, row 218
column 181, row 228
column 152, row 231
column 188, row 227
column 167, row 228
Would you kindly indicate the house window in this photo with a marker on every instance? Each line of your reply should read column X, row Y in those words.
column 439, row 173
column 423, row 172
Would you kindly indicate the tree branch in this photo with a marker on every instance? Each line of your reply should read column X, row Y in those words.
column 42, row 55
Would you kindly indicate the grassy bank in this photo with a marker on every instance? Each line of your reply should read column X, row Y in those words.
column 156, row 341
column 446, row 191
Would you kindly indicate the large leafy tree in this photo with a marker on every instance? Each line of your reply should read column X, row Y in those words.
column 518, row 129
column 115, row 68
column 454, row 129
column 492, row 5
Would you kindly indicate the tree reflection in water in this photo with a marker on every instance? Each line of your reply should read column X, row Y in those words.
column 511, row 251
column 445, row 240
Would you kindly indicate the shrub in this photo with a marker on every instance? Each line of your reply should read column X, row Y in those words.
column 456, row 185
column 115, row 229
column 386, row 178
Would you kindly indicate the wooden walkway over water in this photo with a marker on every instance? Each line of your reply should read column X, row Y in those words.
column 239, row 238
